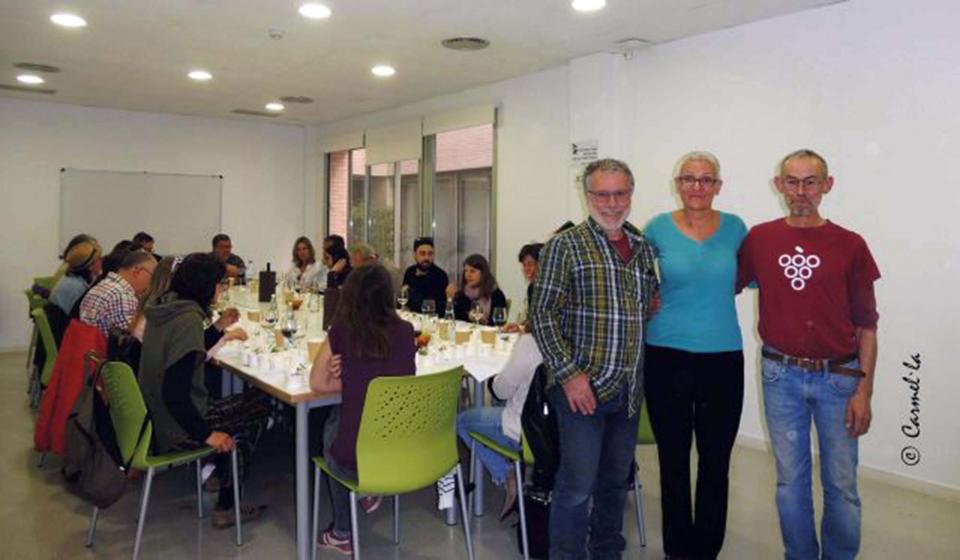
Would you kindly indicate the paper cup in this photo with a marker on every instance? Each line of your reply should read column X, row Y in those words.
column 488, row 336
column 253, row 316
column 313, row 349
column 463, row 336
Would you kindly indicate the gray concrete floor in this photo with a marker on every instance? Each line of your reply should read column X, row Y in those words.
column 40, row 519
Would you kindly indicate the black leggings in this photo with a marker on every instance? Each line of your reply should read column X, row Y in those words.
column 694, row 393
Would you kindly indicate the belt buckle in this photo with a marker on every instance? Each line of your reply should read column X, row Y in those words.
column 808, row 364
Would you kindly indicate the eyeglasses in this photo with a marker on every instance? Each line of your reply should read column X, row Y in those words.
column 615, row 196
column 807, row 184
column 689, row 181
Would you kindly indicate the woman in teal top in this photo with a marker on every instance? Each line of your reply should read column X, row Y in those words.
column 694, row 365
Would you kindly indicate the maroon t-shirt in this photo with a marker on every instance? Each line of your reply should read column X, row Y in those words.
column 816, row 287
column 356, row 376
column 622, row 246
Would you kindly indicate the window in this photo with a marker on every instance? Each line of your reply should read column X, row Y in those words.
column 463, row 196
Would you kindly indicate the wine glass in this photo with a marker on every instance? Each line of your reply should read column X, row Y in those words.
column 476, row 312
column 499, row 317
column 429, row 307
column 403, row 296
column 289, row 327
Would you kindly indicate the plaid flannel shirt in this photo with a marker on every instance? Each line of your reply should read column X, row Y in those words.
column 588, row 309
column 112, row 303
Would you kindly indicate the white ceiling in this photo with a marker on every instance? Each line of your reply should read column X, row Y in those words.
column 135, row 54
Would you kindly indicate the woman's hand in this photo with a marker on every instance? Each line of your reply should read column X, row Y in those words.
column 227, row 318
column 451, row 290
column 221, row 441
column 339, row 265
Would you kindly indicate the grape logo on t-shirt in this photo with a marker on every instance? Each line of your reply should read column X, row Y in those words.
column 798, row 267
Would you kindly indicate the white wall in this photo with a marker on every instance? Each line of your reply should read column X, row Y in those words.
column 263, row 166
column 873, row 86
column 532, row 182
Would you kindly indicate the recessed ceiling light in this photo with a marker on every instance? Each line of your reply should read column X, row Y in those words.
column 200, row 75
column 313, row 10
column 31, row 79
column 68, row 20
column 274, row 106
column 383, row 70
column 588, row 5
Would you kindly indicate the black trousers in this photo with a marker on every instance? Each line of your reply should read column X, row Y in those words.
column 694, row 393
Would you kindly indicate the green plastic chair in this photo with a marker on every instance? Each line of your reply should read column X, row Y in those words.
column 128, row 412
column 33, row 302
column 49, row 344
column 407, row 441
column 47, row 282
column 515, row 459
column 644, row 437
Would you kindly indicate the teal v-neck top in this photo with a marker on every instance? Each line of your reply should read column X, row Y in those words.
column 697, row 280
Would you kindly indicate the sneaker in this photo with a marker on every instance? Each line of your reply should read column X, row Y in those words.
column 223, row 518
column 329, row 539
column 370, row 504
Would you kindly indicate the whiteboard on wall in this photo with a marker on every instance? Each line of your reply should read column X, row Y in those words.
column 181, row 212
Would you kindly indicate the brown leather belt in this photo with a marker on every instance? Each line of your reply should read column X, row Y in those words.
column 816, row 364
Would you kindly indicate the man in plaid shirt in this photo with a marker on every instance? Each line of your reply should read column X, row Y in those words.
column 113, row 302
column 589, row 304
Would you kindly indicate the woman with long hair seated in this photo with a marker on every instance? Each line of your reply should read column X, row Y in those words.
column 305, row 272
column 171, row 379
column 337, row 260
column 366, row 340
column 478, row 287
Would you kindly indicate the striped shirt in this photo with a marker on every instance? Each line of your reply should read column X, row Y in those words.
column 111, row 303
column 589, row 306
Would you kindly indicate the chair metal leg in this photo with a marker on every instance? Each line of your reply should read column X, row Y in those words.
column 464, row 515
column 518, row 472
column 41, row 459
column 93, row 526
column 316, row 513
column 236, row 494
column 396, row 519
column 473, row 474
column 638, row 502
column 141, row 520
column 199, row 491
column 34, row 336
column 354, row 526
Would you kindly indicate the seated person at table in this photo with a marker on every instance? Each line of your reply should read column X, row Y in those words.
column 333, row 240
column 367, row 340
column 424, row 279
column 530, row 264
column 502, row 423
column 171, row 378
column 83, row 262
column 146, row 242
column 113, row 302
column 478, row 287
column 305, row 272
column 337, row 260
column 223, row 250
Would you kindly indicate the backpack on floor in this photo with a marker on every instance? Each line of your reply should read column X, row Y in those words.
column 539, row 423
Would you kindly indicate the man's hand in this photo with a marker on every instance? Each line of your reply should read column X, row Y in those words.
column 579, row 394
column 858, row 414
column 220, row 441
column 451, row 290
column 227, row 318
column 655, row 304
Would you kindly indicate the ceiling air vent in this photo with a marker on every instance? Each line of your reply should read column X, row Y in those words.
column 252, row 113
column 36, row 67
column 5, row 87
column 296, row 99
column 465, row 43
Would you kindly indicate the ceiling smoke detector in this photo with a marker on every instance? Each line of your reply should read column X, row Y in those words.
column 629, row 47
column 303, row 99
column 465, row 43
column 36, row 67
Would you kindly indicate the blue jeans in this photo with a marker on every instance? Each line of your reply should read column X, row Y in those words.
column 596, row 453
column 486, row 421
column 792, row 398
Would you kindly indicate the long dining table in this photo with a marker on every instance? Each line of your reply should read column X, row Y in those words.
column 294, row 391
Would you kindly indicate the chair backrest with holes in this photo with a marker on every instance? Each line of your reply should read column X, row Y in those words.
column 407, row 438
column 128, row 412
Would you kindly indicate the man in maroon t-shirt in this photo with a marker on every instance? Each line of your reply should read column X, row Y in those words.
column 818, row 323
